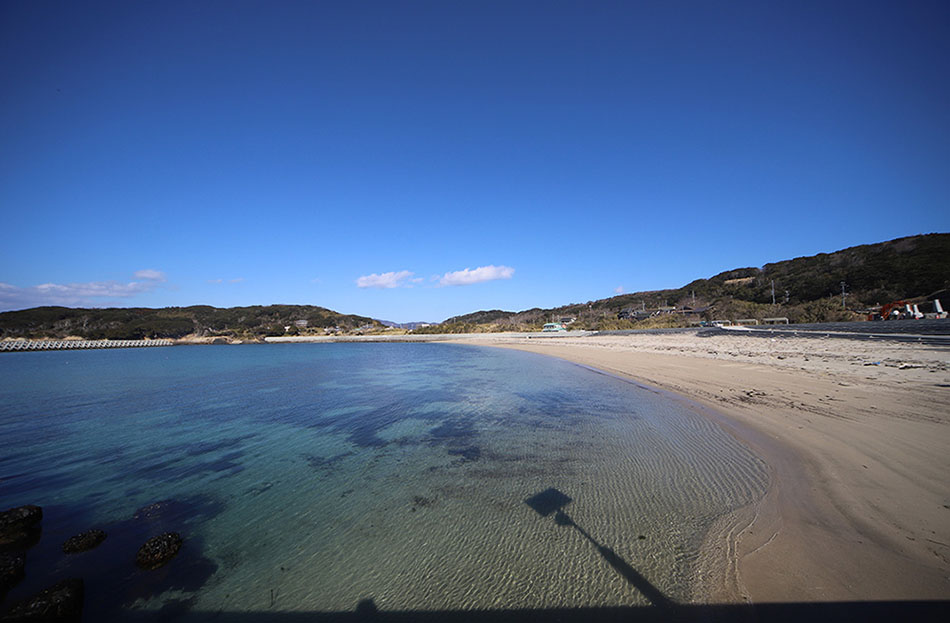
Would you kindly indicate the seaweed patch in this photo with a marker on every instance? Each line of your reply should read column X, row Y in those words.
column 467, row 453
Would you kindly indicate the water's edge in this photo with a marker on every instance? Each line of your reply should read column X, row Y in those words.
column 715, row 576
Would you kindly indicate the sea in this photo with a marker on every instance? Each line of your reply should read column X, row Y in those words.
column 342, row 477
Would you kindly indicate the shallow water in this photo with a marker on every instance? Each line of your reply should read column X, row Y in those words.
column 311, row 477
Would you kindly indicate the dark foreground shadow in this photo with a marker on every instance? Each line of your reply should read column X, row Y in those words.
column 366, row 612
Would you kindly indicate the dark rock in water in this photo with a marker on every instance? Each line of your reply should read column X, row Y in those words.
column 11, row 571
column 19, row 526
column 60, row 602
column 158, row 550
column 171, row 515
column 158, row 509
column 20, row 517
column 83, row 542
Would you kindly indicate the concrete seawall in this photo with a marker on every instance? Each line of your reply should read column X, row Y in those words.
column 28, row 345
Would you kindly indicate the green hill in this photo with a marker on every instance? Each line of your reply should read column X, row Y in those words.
column 172, row 322
column 806, row 289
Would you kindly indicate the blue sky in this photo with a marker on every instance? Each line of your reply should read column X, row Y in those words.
column 413, row 161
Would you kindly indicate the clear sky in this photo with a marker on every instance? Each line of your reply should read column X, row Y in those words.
column 413, row 161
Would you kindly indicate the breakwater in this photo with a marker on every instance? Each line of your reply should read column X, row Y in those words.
column 26, row 345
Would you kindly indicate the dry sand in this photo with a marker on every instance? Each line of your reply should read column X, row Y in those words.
column 859, row 504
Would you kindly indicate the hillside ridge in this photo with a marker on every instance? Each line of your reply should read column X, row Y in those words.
column 806, row 289
column 130, row 323
column 803, row 289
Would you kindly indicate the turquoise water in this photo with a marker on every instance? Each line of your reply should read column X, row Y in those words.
column 313, row 477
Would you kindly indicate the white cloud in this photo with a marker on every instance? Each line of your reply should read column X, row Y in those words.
column 384, row 280
column 215, row 280
column 478, row 275
column 77, row 294
column 618, row 290
column 150, row 275
column 236, row 280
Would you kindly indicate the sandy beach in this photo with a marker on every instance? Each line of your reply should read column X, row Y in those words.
column 857, row 438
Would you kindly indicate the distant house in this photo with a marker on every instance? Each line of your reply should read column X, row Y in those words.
column 566, row 319
column 630, row 313
column 300, row 323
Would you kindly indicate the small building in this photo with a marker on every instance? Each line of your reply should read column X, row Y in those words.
column 629, row 313
column 300, row 324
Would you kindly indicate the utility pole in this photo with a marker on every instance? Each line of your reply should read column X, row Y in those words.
column 773, row 292
column 842, row 294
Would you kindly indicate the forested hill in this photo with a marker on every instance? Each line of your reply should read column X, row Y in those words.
column 806, row 289
column 173, row 322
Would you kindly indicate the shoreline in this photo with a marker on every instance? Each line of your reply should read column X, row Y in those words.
column 855, row 436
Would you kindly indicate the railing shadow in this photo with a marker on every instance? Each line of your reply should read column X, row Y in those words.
column 553, row 501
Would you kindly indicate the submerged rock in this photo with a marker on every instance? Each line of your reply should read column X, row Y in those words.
column 19, row 526
column 155, row 510
column 60, row 602
column 11, row 570
column 83, row 542
column 158, row 550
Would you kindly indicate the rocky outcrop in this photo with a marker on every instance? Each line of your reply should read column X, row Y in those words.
column 158, row 550
column 11, row 570
column 83, row 542
column 158, row 511
column 60, row 602
column 20, row 527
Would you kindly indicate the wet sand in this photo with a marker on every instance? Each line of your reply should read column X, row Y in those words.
column 857, row 438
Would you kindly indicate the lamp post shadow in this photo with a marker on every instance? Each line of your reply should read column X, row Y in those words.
column 553, row 501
